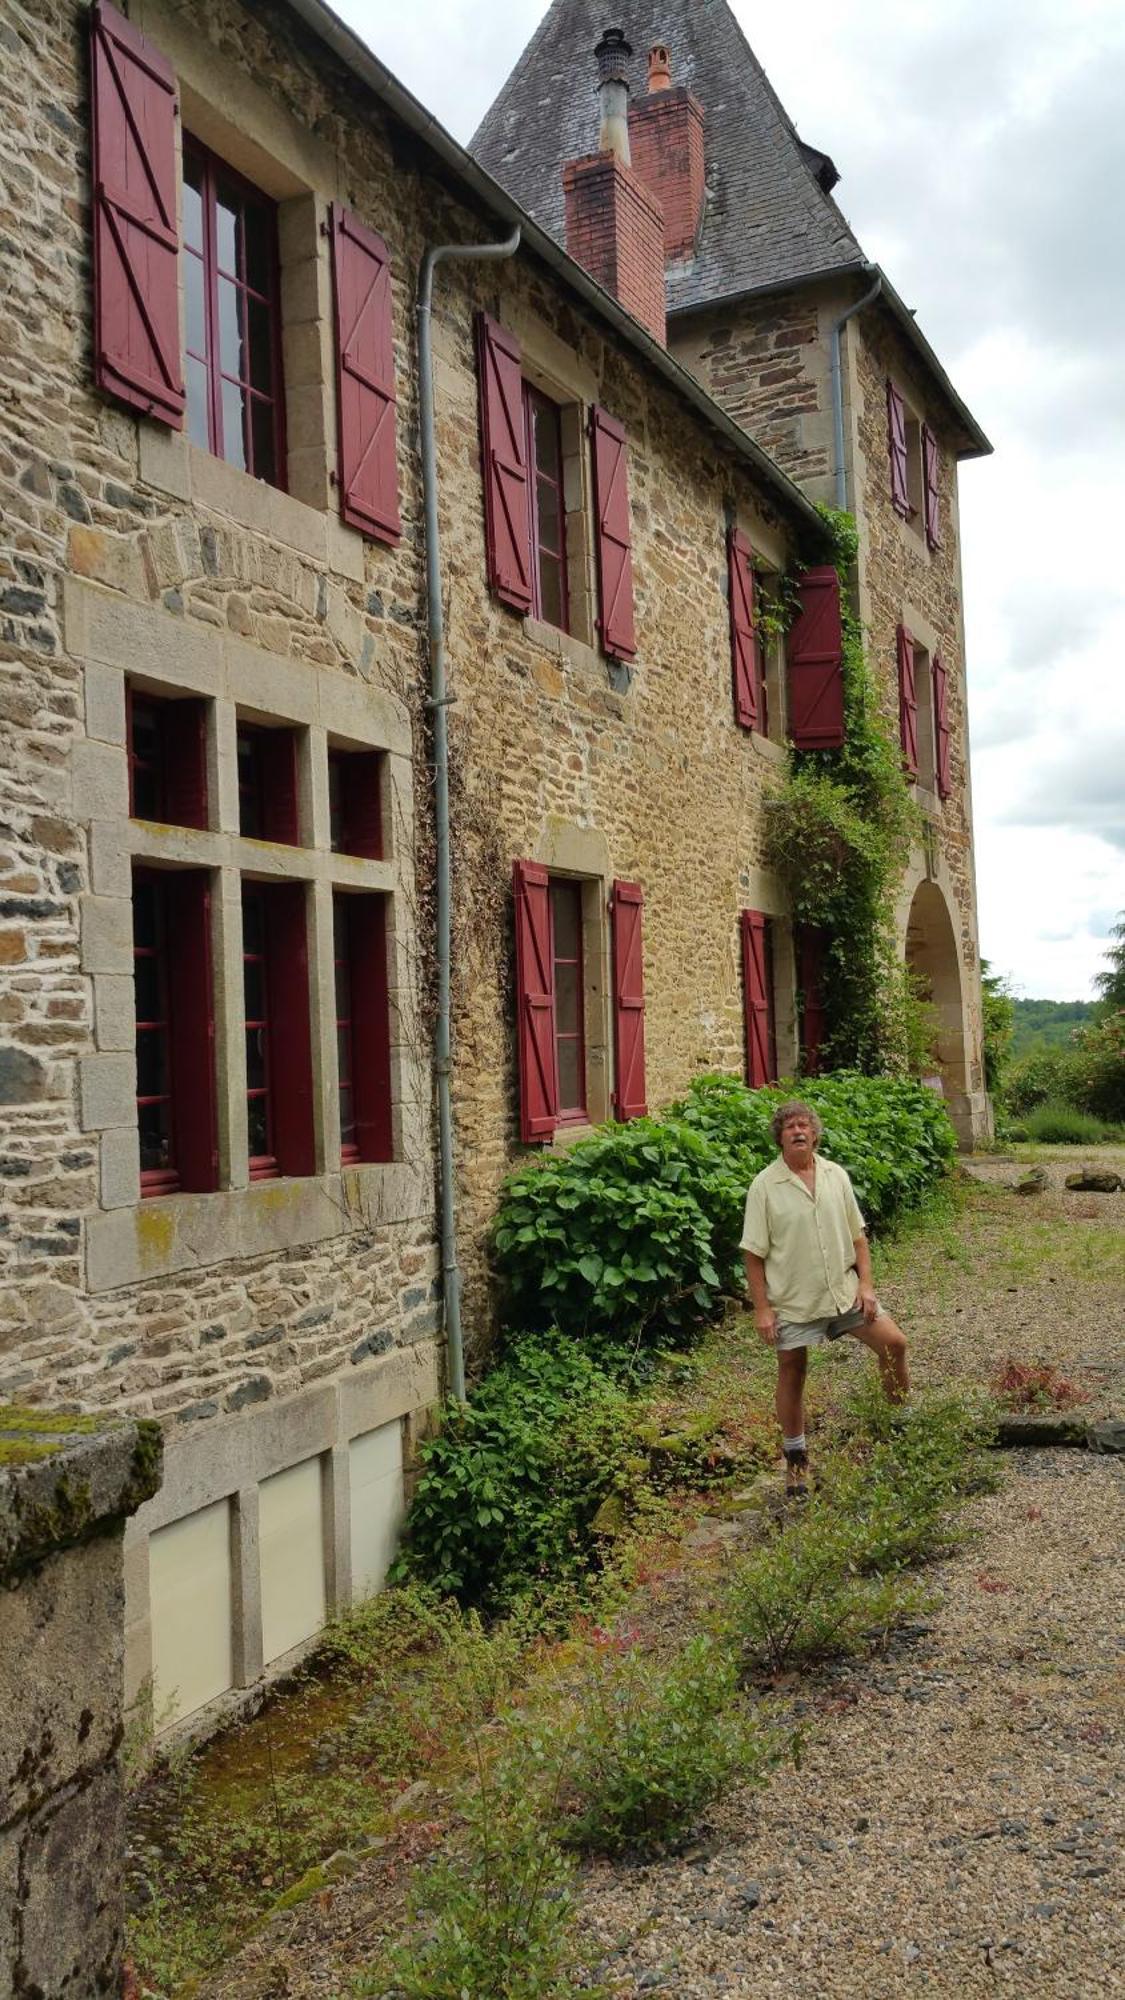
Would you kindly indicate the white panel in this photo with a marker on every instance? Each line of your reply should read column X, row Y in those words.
column 377, row 1505
column 291, row 1540
column 190, row 1599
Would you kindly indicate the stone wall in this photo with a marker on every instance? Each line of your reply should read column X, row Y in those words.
column 66, row 1487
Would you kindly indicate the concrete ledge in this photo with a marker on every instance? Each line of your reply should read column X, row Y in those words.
column 1060, row 1428
column 65, row 1479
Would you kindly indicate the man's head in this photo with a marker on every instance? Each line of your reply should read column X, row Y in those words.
column 796, row 1129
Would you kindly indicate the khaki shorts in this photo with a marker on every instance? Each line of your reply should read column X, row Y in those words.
column 810, row 1333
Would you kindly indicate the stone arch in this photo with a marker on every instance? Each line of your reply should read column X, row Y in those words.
column 933, row 958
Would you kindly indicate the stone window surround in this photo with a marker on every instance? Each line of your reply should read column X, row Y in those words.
column 760, row 889
column 555, row 369
column 581, row 854
column 228, row 1459
column 926, row 641
column 127, row 1239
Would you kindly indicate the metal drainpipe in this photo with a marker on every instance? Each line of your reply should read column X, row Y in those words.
column 838, row 386
column 438, row 703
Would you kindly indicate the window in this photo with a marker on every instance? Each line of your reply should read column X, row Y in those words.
column 758, row 998
column 917, row 697
column 267, row 784
column 174, row 1031
column 769, row 657
column 546, row 509
column 231, row 302
column 359, row 933
column 279, row 1118
column 355, row 803
column 811, row 996
column 569, row 977
column 913, row 465
column 167, row 748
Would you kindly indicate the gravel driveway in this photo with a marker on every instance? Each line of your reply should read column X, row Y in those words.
column 956, row 1824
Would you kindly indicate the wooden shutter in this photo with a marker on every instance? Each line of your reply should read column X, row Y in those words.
column 810, row 979
column 277, row 754
column 366, row 919
column 192, row 1040
column 816, row 664
column 290, row 1047
column 136, row 242
column 757, row 999
column 614, row 536
column 535, row 1003
column 626, row 906
column 941, row 728
column 361, row 786
column 930, row 488
column 184, row 729
column 907, row 703
column 743, row 642
column 896, row 439
column 365, row 379
column 507, row 520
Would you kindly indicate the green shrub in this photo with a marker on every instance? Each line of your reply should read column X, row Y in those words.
column 1055, row 1124
column 804, row 1596
column 1099, row 1060
column 653, row 1746
column 512, row 1482
column 1047, row 1074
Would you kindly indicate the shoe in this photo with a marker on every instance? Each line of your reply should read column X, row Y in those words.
column 796, row 1475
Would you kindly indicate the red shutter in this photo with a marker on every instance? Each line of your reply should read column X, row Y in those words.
column 287, row 973
column 743, row 654
column 136, row 243
column 626, row 905
column 192, row 1041
column 507, row 522
column 816, row 664
column 907, row 703
column 757, row 1000
column 361, row 775
column 535, row 1003
column 896, row 439
column 365, row 379
column 810, row 979
column 371, row 1032
column 185, row 763
column 930, row 487
column 277, row 751
column 614, row 538
column 941, row 728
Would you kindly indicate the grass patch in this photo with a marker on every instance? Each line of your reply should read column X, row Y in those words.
column 1058, row 1124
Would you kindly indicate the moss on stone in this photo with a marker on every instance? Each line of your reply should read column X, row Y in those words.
column 18, row 1417
column 23, row 1451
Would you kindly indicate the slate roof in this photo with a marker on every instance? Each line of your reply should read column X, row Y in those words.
column 767, row 219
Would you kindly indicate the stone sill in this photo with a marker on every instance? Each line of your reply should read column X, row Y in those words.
column 774, row 753
column 191, row 847
column 189, row 1232
column 562, row 645
column 90, row 1472
column 174, row 466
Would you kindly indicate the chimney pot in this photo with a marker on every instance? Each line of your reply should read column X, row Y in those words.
column 659, row 68
column 612, row 56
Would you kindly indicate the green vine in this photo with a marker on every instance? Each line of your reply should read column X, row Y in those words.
column 839, row 832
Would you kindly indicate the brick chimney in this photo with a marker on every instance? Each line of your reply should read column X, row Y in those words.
column 614, row 223
column 666, row 143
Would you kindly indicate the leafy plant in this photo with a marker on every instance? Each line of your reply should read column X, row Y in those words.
column 804, row 1596
column 1036, row 1385
column 654, row 1745
column 1056, row 1124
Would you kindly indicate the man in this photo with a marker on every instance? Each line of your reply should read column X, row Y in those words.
column 808, row 1269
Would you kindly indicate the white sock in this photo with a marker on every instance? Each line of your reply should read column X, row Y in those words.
column 793, row 1444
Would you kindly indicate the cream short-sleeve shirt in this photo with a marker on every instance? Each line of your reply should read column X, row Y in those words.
column 806, row 1238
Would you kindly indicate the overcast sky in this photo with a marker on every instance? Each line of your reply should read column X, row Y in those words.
column 982, row 158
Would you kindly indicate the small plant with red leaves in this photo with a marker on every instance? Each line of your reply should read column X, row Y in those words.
column 1036, row 1385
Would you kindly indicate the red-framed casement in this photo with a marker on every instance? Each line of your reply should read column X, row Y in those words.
column 232, row 304
column 569, row 974
column 355, row 802
column 550, row 596
column 279, row 1085
column 175, row 1031
column 267, row 784
column 166, row 744
column 363, row 1046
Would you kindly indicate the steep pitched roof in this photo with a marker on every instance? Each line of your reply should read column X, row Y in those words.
column 767, row 220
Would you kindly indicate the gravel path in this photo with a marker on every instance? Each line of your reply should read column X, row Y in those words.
column 955, row 1825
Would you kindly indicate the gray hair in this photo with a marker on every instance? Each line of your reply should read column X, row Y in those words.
column 795, row 1108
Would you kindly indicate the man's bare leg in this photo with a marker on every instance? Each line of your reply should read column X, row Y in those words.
column 792, row 1367
column 888, row 1344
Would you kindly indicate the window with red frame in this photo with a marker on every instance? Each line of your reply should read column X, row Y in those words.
column 275, row 963
column 549, row 600
column 167, row 747
column 359, row 926
column 232, row 314
column 267, row 784
column 174, row 1031
column 355, row 803
column 567, row 960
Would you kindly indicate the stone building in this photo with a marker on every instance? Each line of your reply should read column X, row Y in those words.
column 216, row 912
column 771, row 302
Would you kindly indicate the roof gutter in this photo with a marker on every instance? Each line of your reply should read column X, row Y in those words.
column 354, row 53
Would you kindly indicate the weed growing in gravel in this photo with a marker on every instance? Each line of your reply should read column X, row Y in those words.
column 1036, row 1385
column 803, row 1597
column 652, row 1745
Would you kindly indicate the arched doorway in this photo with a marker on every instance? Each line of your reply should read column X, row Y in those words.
column 931, row 954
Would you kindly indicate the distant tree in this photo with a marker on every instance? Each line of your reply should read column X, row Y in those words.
column 999, row 1025
column 1111, row 981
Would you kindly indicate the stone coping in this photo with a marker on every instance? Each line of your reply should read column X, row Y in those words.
column 66, row 1477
